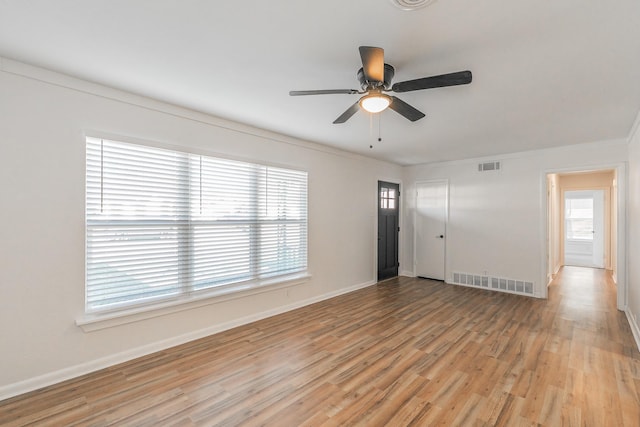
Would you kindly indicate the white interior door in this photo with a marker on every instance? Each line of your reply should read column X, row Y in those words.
column 430, row 229
column 584, row 228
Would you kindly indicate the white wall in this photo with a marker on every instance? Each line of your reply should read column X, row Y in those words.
column 43, row 117
column 497, row 220
column 633, row 232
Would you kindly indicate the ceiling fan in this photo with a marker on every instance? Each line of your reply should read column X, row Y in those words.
column 375, row 79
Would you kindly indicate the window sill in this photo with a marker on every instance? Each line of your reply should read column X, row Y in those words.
column 97, row 321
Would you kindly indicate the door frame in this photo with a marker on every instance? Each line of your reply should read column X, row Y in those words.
column 446, row 223
column 621, row 232
column 400, row 224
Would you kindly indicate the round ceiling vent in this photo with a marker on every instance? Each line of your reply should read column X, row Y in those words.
column 411, row 4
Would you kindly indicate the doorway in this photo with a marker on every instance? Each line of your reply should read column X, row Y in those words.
column 584, row 228
column 430, row 229
column 388, row 229
column 611, row 181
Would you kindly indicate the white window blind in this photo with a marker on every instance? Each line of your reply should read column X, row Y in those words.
column 579, row 217
column 166, row 224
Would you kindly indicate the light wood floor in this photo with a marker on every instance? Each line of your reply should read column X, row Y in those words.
column 404, row 352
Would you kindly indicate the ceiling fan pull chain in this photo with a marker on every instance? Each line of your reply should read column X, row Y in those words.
column 370, row 124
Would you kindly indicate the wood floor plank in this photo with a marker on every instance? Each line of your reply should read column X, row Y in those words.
column 405, row 352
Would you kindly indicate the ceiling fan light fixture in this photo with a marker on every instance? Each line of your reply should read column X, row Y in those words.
column 375, row 103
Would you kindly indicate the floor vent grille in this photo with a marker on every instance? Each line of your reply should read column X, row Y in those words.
column 500, row 284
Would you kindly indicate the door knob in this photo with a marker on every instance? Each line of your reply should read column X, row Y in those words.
column 440, row 236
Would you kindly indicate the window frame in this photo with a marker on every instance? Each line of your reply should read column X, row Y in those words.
column 187, row 296
column 388, row 198
column 569, row 230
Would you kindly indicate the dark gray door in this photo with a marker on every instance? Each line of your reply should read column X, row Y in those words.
column 388, row 220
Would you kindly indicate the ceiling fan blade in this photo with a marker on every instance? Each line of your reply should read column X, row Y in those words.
column 347, row 114
column 404, row 109
column 451, row 79
column 372, row 63
column 322, row 92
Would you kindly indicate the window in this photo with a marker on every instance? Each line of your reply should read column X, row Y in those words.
column 579, row 218
column 164, row 224
column 387, row 198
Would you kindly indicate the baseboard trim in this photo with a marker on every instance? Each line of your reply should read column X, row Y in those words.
column 31, row 384
column 635, row 330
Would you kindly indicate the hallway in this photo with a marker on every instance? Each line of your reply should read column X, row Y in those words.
column 587, row 297
column 603, row 372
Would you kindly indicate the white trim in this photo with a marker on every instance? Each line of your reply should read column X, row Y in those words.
column 542, row 291
column 635, row 330
column 55, row 377
column 635, row 127
column 622, row 271
column 98, row 321
column 546, row 152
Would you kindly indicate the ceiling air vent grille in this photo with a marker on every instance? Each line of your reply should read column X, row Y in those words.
column 488, row 166
column 411, row 4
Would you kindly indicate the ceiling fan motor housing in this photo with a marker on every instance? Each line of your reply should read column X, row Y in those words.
column 389, row 72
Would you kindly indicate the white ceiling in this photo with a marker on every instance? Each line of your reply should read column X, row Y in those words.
column 545, row 73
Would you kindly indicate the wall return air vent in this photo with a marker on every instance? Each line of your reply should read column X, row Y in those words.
column 488, row 166
column 500, row 284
